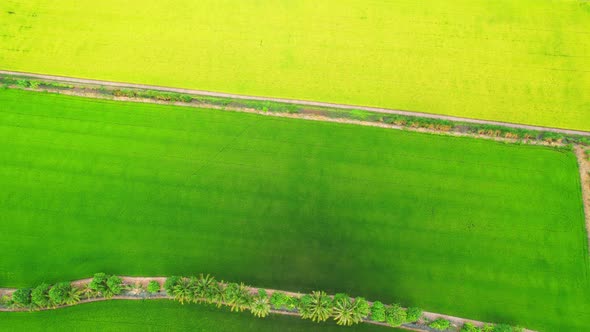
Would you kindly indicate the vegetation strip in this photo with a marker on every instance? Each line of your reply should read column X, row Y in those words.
column 188, row 95
column 317, row 306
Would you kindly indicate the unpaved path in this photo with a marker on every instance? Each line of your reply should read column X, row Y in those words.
column 127, row 280
column 290, row 101
column 584, row 166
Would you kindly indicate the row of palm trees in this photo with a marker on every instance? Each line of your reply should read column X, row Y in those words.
column 317, row 306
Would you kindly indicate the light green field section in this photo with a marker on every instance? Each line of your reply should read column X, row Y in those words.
column 525, row 61
column 467, row 227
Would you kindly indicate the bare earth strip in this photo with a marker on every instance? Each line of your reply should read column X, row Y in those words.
column 456, row 321
column 291, row 101
column 584, row 166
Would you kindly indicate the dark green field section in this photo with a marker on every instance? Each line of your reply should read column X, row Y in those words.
column 467, row 227
column 162, row 316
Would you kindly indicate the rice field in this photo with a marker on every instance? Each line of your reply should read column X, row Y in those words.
column 467, row 227
column 517, row 61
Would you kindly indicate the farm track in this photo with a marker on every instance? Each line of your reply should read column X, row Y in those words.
column 457, row 321
column 584, row 166
column 63, row 79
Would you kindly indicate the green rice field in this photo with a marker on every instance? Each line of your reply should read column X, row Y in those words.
column 160, row 316
column 467, row 227
column 525, row 61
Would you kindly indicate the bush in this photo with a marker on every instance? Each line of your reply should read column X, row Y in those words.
column 153, row 287
column 58, row 294
column 378, row 312
column 21, row 298
column 506, row 328
column 413, row 314
column 440, row 324
column 395, row 315
column 40, row 296
column 170, row 283
column 98, row 284
column 279, row 300
column 468, row 327
column 114, row 286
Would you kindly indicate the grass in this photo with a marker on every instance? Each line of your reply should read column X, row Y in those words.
column 519, row 61
column 160, row 315
column 467, row 227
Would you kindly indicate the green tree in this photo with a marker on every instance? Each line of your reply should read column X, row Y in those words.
column 260, row 306
column 378, row 312
column 40, row 296
column 440, row 324
column 413, row 314
column 153, row 287
column 58, row 294
column 395, row 315
column 319, row 308
column 21, row 298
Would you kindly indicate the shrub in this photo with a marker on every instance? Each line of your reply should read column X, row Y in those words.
column 21, row 298
column 98, row 284
column 33, row 84
column 279, row 300
column 58, row 294
column 378, row 312
column 114, row 286
column 40, row 296
column 440, row 324
column 468, row 327
column 395, row 315
column 104, row 285
column 506, row 328
column 170, row 283
column 153, row 287
column 413, row 314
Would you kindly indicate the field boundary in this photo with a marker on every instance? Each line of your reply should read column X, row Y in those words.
column 73, row 80
column 161, row 295
column 584, row 167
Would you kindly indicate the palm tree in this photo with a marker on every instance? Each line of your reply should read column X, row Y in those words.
column 361, row 309
column 317, row 307
column 73, row 296
column 183, row 291
column 238, row 297
column 88, row 292
column 260, row 306
column 218, row 293
column 204, row 288
column 344, row 310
